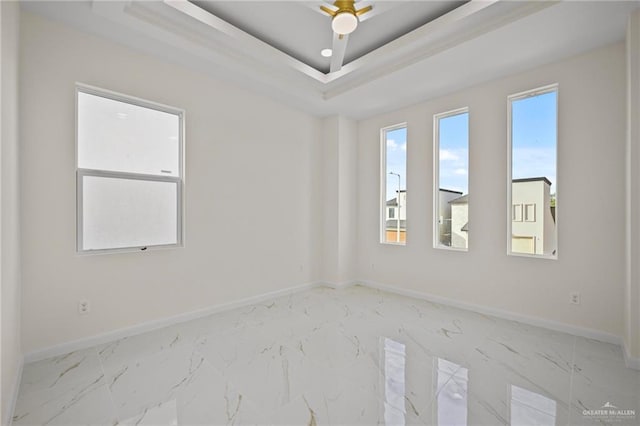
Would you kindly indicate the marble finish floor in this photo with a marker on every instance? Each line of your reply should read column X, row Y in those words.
column 354, row 356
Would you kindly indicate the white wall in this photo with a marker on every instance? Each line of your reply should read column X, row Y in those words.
column 591, row 177
column 266, row 186
column 11, row 354
column 252, row 179
column 339, row 165
column 632, row 288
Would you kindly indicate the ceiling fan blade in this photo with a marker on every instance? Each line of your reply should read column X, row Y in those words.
column 328, row 11
column 319, row 6
column 363, row 10
column 380, row 7
column 339, row 49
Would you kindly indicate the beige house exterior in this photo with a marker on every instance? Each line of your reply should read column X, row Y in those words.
column 460, row 222
column 444, row 216
column 533, row 225
column 396, row 219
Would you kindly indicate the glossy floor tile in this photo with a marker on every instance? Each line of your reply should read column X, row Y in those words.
column 355, row 356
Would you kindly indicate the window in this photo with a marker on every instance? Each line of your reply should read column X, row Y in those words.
column 393, row 188
column 392, row 213
column 516, row 213
column 533, row 140
column 451, row 179
column 129, row 172
column 529, row 212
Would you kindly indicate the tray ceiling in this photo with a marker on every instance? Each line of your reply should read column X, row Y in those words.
column 301, row 30
column 475, row 42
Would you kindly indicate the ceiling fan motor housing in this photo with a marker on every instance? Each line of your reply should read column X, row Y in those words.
column 345, row 6
column 345, row 19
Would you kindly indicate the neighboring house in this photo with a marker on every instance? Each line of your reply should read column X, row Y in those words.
column 532, row 222
column 444, row 215
column 532, row 218
column 460, row 222
column 396, row 218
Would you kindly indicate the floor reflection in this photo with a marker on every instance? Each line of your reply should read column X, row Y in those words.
column 527, row 408
column 453, row 382
column 530, row 408
column 394, row 383
column 165, row 413
column 336, row 357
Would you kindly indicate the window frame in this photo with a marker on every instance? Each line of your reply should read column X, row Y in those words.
column 525, row 211
column 383, row 182
column 436, row 173
column 554, row 87
column 83, row 172
column 516, row 213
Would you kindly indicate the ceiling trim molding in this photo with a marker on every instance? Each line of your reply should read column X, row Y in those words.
column 212, row 21
column 379, row 67
column 417, row 36
column 476, row 42
column 390, row 52
column 467, row 21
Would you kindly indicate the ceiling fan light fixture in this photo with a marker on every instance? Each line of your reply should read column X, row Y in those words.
column 344, row 23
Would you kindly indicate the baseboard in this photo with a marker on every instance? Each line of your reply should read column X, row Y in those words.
column 337, row 286
column 500, row 313
column 630, row 362
column 14, row 395
column 87, row 342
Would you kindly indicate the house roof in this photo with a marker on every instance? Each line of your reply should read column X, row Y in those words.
column 465, row 228
column 533, row 179
column 394, row 200
column 460, row 200
column 465, row 198
column 451, row 191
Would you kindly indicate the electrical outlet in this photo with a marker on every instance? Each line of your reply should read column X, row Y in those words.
column 84, row 307
column 574, row 298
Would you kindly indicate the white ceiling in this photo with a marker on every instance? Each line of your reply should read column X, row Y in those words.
column 476, row 42
column 308, row 30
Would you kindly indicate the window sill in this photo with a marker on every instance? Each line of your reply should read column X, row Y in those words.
column 447, row 248
column 128, row 250
column 534, row 256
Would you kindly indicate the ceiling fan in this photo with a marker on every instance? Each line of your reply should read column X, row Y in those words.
column 344, row 16
column 344, row 21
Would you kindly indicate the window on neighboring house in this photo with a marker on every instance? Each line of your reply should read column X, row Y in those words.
column 529, row 212
column 451, row 179
column 129, row 172
column 392, row 212
column 393, row 188
column 516, row 213
column 533, row 140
